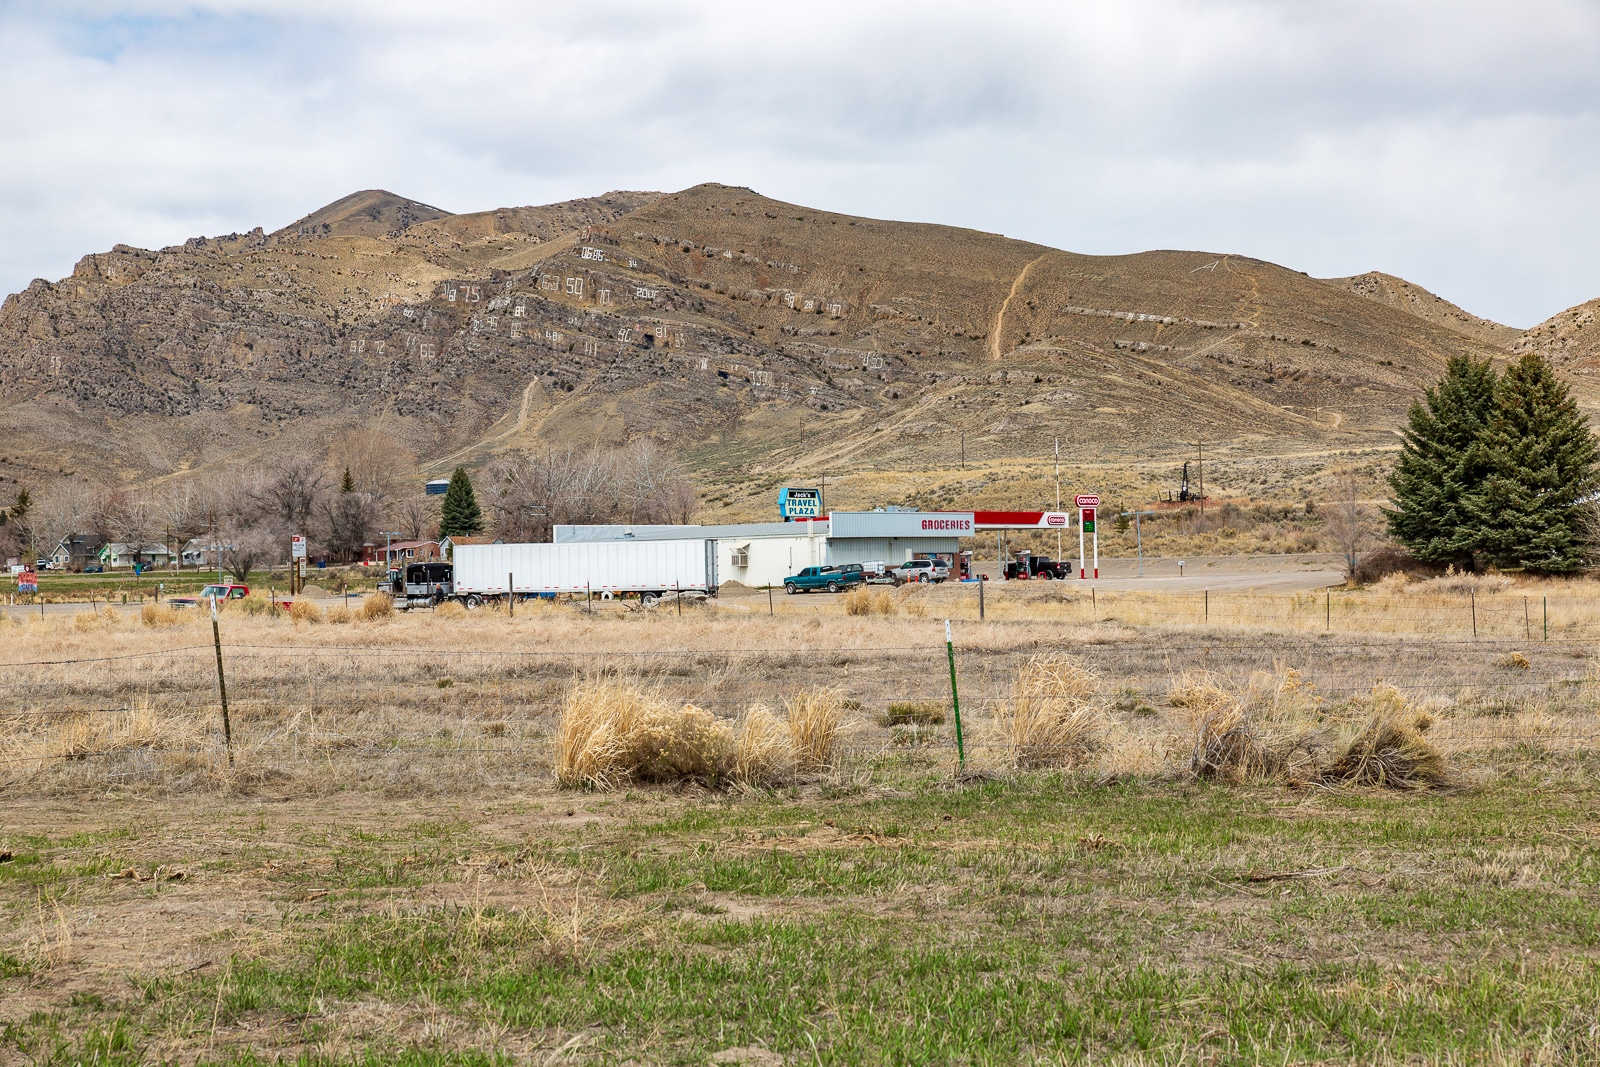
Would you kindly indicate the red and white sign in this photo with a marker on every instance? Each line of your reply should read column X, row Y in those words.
column 1087, row 500
column 1019, row 520
column 297, row 546
column 960, row 524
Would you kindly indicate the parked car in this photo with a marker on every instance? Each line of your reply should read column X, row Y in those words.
column 833, row 579
column 93, row 568
column 924, row 570
column 219, row 592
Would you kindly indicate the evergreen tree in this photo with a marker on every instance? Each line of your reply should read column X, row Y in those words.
column 461, row 516
column 349, row 483
column 23, row 504
column 1442, row 463
column 1544, row 467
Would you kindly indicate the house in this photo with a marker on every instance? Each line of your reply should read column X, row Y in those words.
column 447, row 544
column 402, row 552
column 117, row 554
column 76, row 551
column 201, row 552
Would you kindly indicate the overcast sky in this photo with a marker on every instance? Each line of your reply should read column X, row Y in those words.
column 1456, row 144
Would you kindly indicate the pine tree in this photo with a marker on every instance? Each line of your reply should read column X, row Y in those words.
column 22, row 505
column 1544, row 467
column 461, row 516
column 1442, row 463
column 349, row 483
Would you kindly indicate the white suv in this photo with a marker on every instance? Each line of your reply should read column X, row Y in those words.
column 924, row 570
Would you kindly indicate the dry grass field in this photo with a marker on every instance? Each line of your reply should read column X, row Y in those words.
column 1339, row 831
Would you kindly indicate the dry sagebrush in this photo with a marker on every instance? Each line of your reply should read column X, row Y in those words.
column 1391, row 750
column 1056, row 716
column 614, row 730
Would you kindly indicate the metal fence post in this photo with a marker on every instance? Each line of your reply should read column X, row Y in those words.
column 955, row 697
column 1472, row 597
column 1327, row 609
column 511, row 595
column 769, row 601
column 222, row 684
column 980, row 598
column 1547, row 618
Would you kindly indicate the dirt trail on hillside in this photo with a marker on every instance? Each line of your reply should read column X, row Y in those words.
column 1000, row 318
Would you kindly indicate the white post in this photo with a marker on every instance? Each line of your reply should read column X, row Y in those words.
column 1081, row 572
column 1096, row 547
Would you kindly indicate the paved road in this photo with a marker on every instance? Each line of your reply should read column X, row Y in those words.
column 1232, row 573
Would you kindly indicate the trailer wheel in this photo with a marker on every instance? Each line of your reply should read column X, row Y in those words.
column 650, row 600
column 474, row 601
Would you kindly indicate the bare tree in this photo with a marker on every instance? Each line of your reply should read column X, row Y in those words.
column 417, row 517
column 286, row 498
column 347, row 520
column 68, row 508
column 1350, row 521
column 378, row 464
column 244, row 548
column 527, row 495
column 129, row 516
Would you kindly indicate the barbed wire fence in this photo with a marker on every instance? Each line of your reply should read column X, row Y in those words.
column 431, row 715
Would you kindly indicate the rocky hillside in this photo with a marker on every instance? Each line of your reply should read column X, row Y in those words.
column 761, row 339
column 1415, row 300
column 1570, row 340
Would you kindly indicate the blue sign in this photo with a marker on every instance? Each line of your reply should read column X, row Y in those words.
column 799, row 504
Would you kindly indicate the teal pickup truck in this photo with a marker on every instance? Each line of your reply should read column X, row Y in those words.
column 833, row 579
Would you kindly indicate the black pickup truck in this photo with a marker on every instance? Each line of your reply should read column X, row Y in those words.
column 1038, row 567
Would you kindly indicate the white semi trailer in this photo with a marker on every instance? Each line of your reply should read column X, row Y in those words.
column 652, row 569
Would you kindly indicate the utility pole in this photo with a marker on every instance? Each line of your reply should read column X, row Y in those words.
column 1058, row 497
column 963, row 450
column 1202, row 445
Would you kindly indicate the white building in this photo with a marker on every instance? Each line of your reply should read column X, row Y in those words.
column 760, row 554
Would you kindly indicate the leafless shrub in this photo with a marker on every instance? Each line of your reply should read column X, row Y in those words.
column 1055, row 715
column 376, row 606
column 1391, row 750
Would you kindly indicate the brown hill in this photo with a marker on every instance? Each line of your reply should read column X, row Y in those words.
column 764, row 340
column 1570, row 340
column 369, row 213
column 1415, row 300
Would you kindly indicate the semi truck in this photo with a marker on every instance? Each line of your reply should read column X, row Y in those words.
column 481, row 574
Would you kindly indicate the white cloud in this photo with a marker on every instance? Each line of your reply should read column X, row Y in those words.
column 1452, row 143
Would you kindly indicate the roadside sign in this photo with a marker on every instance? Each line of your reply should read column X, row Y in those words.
column 297, row 546
column 1087, row 500
column 799, row 503
column 28, row 582
column 300, row 564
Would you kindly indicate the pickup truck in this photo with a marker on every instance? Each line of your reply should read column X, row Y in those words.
column 1038, row 567
column 220, row 592
column 830, row 578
